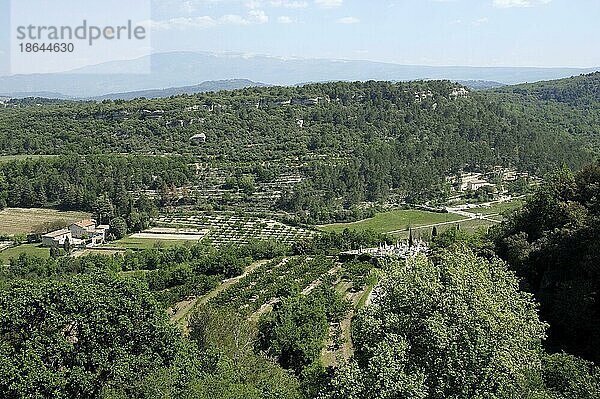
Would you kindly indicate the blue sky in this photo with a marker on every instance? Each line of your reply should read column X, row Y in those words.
column 422, row 32
column 442, row 32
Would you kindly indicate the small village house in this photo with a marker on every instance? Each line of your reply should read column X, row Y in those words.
column 56, row 238
column 82, row 233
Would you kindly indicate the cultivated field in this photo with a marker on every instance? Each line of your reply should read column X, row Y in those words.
column 145, row 243
column 23, row 221
column 395, row 221
column 158, row 233
column 266, row 283
column 225, row 228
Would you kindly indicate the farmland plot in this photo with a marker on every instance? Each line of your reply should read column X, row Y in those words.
column 227, row 228
column 271, row 282
column 23, row 221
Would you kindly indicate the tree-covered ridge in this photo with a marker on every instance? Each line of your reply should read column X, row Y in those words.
column 552, row 243
column 416, row 120
column 571, row 106
column 575, row 91
column 348, row 143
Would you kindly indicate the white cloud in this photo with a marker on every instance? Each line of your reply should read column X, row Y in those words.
column 254, row 17
column 519, row 3
column 187, row 6
column 183, row 23
column 254, row 4
column 276, row 3
column 289, row 3
column 284, row 20
column 348, row 20
column 257, row 17
column 481, row 21
column 329, row 3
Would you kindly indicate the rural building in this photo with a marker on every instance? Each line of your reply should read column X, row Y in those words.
column 83, row 229
column 99, row 235
column 79, row 234
column 56, row 238
column 198, row 138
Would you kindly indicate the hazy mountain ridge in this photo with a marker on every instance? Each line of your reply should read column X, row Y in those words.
column 213, row 85
column 480, row 84
column 180, row 69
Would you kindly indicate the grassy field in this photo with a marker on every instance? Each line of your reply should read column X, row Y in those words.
column 146, row 243
column 394, row 221
column 469, row 225
column 499, row 208
column 23, row 221
column 29, row 249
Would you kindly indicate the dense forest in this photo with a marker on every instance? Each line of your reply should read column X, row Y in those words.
column 350, row 142
column 109, row 186
column 552, row 244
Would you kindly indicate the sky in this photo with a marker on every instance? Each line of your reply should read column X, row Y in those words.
column 542, row 33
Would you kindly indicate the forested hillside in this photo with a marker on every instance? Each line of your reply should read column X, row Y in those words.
column 347, row 142
column 552, row 244
column 572, row 105
column 509, row 312
column 436, row 120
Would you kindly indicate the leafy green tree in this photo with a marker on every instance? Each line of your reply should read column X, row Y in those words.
column 3, row 191
column 118, row 228
column 552, row 244
column 232, row 369
column 566, row 376
column 104, row 210
column 295, row 332
column 71, row 338
column 458, row 328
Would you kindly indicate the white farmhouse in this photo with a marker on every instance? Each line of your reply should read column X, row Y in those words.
column 83, row 229
column 56, row 238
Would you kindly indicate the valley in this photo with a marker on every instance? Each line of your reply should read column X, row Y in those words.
column 295, row 231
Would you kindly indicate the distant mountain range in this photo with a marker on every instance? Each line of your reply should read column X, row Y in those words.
column 480, row 84
column 184, row 69
column 213, row 85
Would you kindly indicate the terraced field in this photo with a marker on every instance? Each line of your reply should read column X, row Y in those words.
column 279, row 278
column 23, row 221
column 225, row 228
